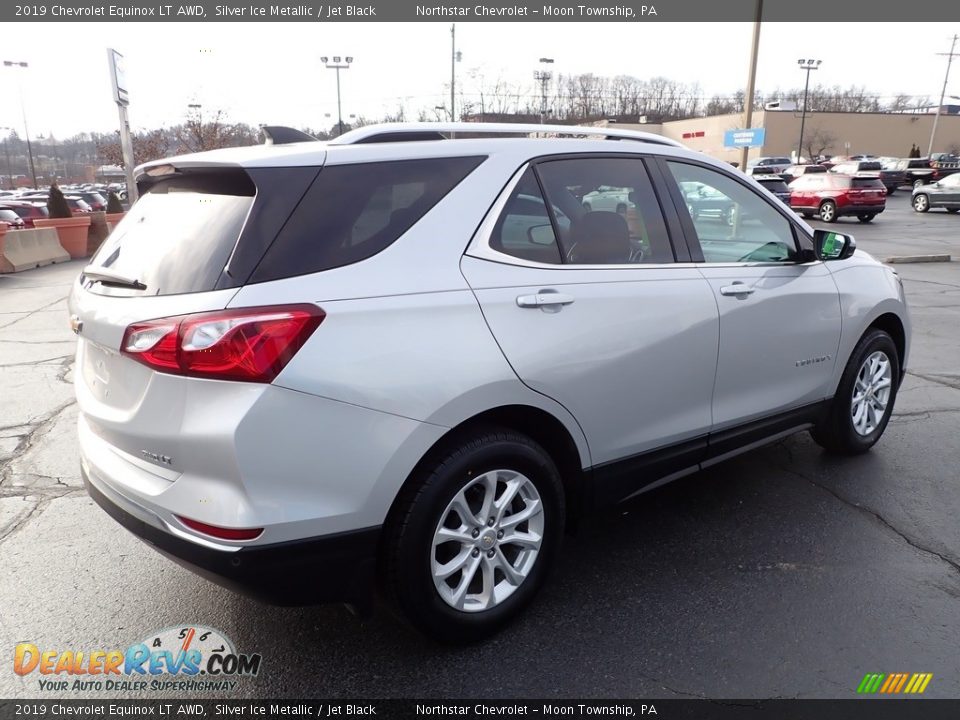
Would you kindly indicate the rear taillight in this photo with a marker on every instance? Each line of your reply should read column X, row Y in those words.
column 221, row 532
column 246, row 344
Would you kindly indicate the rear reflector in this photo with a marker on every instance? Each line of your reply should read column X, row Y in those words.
column 246, row 344
column 221, row 532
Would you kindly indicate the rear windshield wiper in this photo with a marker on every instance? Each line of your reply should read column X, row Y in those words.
column 109, row 277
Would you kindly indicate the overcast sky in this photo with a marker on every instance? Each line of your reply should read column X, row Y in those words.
column 271, row 72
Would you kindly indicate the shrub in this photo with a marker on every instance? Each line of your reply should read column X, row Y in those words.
column 113, row 203
column 57, row 204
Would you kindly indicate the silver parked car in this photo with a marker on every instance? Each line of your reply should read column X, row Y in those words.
column 402, row 360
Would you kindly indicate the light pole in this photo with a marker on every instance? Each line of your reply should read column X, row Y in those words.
column 936, row 118
column 806, row 65
column 543, row 77
column 23, row 109
column 455, row 57
column 338, row 64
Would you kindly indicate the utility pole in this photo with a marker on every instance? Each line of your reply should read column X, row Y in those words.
column 936, row 118
column 6, row 152
column 23, row 109
column 453, row 70
column 751, row 81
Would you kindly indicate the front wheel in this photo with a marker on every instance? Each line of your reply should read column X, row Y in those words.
column 861, row 408
column 828, row 211
column 918, row 183
column 472, row 540
column 921, row 203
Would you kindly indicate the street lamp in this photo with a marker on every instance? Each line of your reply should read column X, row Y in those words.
column 337, row 63
column 807, row 66
column 23, row 109
column 543, row 77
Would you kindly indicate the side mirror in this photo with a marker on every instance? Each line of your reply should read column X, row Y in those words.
column 541, row 235
column 832, row 245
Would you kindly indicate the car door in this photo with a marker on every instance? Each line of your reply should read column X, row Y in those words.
column 612, row 327
column 949, row 191
column 779, row 307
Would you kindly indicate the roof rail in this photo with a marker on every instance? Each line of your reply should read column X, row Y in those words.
column 407, row 132
column 282, row 135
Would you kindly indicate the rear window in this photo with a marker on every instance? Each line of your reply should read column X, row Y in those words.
column 352, row 212
column 866, row 183
column 178, row 236
column 775, row 186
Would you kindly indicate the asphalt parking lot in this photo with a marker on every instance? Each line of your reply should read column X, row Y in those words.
column 784, row 573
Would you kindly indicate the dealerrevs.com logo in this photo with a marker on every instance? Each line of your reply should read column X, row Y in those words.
column 185, row 658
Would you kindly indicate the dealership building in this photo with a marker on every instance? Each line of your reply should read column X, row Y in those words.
column 829, row 133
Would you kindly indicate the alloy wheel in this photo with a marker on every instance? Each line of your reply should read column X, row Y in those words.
column 487, row 541
column 871, row 393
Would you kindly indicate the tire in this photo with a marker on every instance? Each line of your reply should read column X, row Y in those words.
column 866, row 217
column 588, row 207
column 828, row 211
column 891, row 191
column 451, row 610
column 921, row 203
column 621, row 209
column 953, row 211
column 847, row 430
column 918, row 183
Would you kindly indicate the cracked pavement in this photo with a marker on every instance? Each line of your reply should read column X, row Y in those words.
column 784, row 573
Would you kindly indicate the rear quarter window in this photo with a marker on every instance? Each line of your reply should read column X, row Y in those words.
column 353, row 212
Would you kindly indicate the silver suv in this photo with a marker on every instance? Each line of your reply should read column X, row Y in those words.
column 408, row 357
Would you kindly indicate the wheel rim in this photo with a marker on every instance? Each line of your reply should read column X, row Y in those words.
column 920, row 203
column 487, row 541
column 826, row 212
column 871, row 393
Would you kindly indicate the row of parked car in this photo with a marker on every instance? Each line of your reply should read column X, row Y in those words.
column 858, row 185
column 19, row 208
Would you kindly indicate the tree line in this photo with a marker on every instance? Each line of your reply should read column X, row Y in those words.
column 567, row 99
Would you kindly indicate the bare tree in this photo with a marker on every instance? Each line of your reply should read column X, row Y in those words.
column 818, row 141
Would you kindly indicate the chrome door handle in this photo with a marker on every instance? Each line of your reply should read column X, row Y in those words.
column 543, row 299
column 737, row 288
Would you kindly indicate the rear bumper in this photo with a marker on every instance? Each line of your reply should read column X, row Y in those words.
column 860, row 209
column 330, row 568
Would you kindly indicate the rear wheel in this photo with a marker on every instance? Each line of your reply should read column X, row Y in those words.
column 472, row 540
column 921, row 203
column 866, row 217
column 860, row 410
column 828, row 211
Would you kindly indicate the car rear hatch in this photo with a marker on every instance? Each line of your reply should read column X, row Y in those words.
column 867, row 190
column 184, row 248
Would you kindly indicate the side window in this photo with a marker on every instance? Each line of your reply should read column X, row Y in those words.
column 353, row 212
column 614, row 215
column 524, row 229
column 732, row 222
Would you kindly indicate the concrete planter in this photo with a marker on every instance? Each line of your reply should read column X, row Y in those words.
column 113, row 219
column 73, row 233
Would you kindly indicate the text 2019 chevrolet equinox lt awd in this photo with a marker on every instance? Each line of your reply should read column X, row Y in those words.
column 405, row 359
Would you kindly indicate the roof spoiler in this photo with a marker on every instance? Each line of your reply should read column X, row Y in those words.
column 282, row 135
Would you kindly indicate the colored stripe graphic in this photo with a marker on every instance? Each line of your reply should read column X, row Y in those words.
column 894, row 683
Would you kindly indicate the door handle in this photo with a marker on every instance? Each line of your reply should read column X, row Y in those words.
column 738, row 288
column 544, row 299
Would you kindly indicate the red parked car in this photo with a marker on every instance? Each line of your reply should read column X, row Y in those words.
column 27, row 211
column 829, row 196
